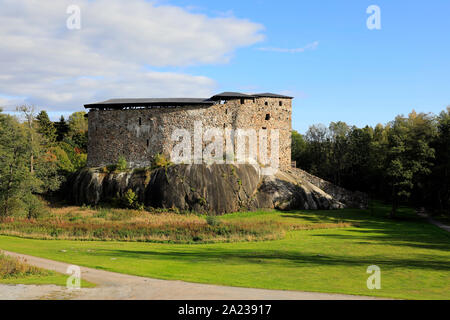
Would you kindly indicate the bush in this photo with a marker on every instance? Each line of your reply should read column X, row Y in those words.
column 160, row 161
column 212, row 221
column 130, row 200
column 9, row 207
column 12, row 267
column 33, row 206
column 122, row 164
column 104, row 170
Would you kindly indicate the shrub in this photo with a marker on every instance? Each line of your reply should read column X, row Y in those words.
column 130, row 200
column 212, row 221
column 12, row 267
column 63, row 161
column 104, row 170
column 9, row 207
column 122, row 164
column 160, row 161
column 33, row 206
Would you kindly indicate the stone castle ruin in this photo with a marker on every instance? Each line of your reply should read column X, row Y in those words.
column 139, row 129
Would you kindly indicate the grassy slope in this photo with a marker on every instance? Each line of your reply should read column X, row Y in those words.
column 414, row 257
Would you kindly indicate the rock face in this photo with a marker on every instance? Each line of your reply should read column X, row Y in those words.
column 351, row 199
column 214, row 189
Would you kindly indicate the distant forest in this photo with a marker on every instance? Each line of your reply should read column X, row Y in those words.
column 405, row 161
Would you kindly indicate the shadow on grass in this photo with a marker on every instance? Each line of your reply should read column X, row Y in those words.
column 406, row 230
column 285, row 258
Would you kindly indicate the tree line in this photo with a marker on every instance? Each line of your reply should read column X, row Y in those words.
column 36, row 156
column 405, row 161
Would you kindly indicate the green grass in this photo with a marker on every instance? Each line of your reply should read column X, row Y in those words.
column 414, row 256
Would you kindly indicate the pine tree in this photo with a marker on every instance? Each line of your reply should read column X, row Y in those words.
column 46, row 128
column 62, row 129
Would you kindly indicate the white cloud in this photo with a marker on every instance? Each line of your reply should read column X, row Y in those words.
column 309, row 46
column 111, row 55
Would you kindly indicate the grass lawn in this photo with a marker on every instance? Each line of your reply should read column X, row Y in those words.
column 414, row 256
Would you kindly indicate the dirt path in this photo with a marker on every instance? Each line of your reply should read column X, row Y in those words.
column 422, row 213
column 116, row 286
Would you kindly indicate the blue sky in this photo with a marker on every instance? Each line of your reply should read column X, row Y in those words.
column 345, row 72
column 355, row 75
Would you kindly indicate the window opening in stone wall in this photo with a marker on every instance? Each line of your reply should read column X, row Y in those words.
column 242, row 101
column 148, row 142
column 140, row 121
column 281, row 103
column 266, row 103
column 268, row 117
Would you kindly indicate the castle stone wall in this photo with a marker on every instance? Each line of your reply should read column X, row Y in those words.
column 139, row 134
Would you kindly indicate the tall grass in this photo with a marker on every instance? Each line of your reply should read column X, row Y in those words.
column 84, row 223
column 11, row 267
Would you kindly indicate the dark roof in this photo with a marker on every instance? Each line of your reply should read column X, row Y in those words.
column 120, row 103
column 271, row 95
column 175, row 102
column 230, row 95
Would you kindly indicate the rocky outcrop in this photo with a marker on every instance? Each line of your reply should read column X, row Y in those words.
column 354, row 199
column 214, row 189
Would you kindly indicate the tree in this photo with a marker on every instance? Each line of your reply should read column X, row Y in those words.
column 62, row 129
column 318, row 139
column 16, row 180
column 46, row 128
column 78, row 122
column 298, row 149
column 410, row 154
column 338, row 132
column 438, row 186
column 29, row 114
column 78, row 129
column 43, row 166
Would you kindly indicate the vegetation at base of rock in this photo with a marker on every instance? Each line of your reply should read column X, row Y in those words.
column 86, row 223
column 212, row 220
column 122, row 164
column 11, row 267
column 130, row 200
column 160, row 161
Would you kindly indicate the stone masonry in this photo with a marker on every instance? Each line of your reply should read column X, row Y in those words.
column 138, row 134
